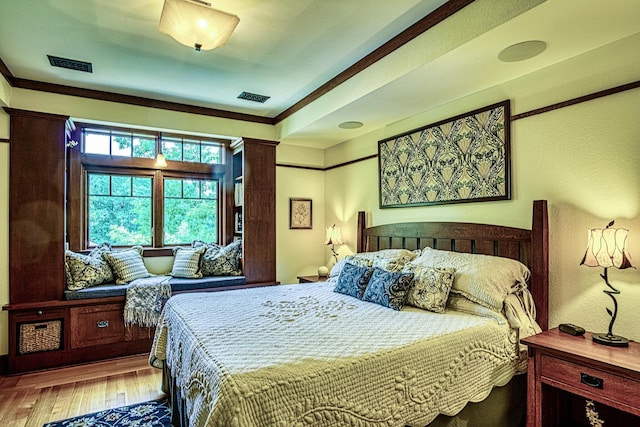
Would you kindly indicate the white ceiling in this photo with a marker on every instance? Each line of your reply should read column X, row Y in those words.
column 286, row 49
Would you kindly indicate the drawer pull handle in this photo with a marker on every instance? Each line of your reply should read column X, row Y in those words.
column 591, row 381
column 103, row 324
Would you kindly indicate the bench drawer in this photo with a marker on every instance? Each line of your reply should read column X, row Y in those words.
column 96, row 325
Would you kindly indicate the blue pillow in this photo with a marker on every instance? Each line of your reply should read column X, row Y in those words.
column 353, row 280
column 388, row 288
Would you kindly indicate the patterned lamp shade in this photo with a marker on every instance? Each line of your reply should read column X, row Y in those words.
column 334, row 237
column 195, row 24
column 606, row 248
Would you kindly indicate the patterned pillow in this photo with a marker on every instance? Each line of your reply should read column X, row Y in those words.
column 187, row 262
column 430, row 288
column 388, row 288
column 127, row 265
column 386, row 259
column 353, row 280
column 221, row 260
column 83, row 271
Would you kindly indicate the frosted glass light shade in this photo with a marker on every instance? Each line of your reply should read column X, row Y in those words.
column 334, row 237
column 161, row 161
column 606, row 248
column 196, row 25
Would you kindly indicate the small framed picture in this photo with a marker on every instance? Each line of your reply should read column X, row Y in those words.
column 300, row 213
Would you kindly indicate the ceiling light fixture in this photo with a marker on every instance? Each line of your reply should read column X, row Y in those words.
column 350, row 125
column 196, row 24
column 522, row 51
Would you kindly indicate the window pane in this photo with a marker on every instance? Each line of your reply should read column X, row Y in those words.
column 211, row 153
column 189, row 219
column 172, row 149
column 141, row 187
column 120, row 220
column 96, row 143
column 99, row 184
column 191, row 189
column 121, row 145
column 121, row 185
column 144, row 147
column 172, row 188
column 209, row 190
column 191, row 152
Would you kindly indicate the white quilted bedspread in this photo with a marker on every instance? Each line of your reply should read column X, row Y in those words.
column 302, row 355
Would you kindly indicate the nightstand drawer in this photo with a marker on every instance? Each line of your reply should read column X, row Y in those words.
column 596, row 384
column 95, row 325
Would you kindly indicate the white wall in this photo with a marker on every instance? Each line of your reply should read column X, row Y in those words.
column 299, row 252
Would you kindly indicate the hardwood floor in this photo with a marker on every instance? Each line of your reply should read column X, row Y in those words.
column 31, row 400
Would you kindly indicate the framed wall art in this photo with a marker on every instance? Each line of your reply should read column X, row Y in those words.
column 462, row 159
column 300, row 214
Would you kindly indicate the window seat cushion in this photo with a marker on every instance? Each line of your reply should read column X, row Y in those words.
column 177, row 285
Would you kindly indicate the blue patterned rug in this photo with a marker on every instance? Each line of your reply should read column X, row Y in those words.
column 147, row 414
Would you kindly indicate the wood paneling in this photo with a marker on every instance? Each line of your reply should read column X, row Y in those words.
column 36, row 206
column 259, row 227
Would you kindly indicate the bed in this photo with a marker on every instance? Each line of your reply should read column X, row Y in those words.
column 302, row 355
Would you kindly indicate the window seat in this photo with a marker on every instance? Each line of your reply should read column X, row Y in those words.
column 177, row 285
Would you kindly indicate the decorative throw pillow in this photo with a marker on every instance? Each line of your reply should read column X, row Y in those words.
column 83, row 271
column 484, row 279
column 430, row 288
column 187, row 262
column 353, row 280
column 389, row 264
column 221, row 260
column 127, row 265
column 388, row 288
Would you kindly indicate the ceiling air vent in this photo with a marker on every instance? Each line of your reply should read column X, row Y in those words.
column 253, row 97
column 71, row 64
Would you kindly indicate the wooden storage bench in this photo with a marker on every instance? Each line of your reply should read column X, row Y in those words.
column 88, row 326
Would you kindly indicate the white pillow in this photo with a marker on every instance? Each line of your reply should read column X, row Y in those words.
column 127, row 265
column 187, row 262
column 484, row 279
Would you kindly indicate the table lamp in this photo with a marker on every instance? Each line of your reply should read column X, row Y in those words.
column 334, row 237
column 606, row 248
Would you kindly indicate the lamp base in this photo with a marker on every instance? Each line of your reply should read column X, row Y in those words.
column 610, row 340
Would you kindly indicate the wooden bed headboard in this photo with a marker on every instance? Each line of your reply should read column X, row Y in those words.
column 531, row 247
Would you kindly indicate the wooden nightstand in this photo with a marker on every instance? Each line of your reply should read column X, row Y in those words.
column 565, row 372
column 311, row 279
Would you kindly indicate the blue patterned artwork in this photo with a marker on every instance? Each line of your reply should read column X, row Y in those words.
column 461, row 159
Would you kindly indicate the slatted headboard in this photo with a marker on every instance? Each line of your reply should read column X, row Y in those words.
column 531, row 247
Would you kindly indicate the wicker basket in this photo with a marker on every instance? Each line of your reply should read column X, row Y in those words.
column 41, row 336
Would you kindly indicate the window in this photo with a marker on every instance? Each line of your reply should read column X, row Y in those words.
column 119, row 209
column 126, row 144
column 188, row 208
column 190, row 150
column 118, row 195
